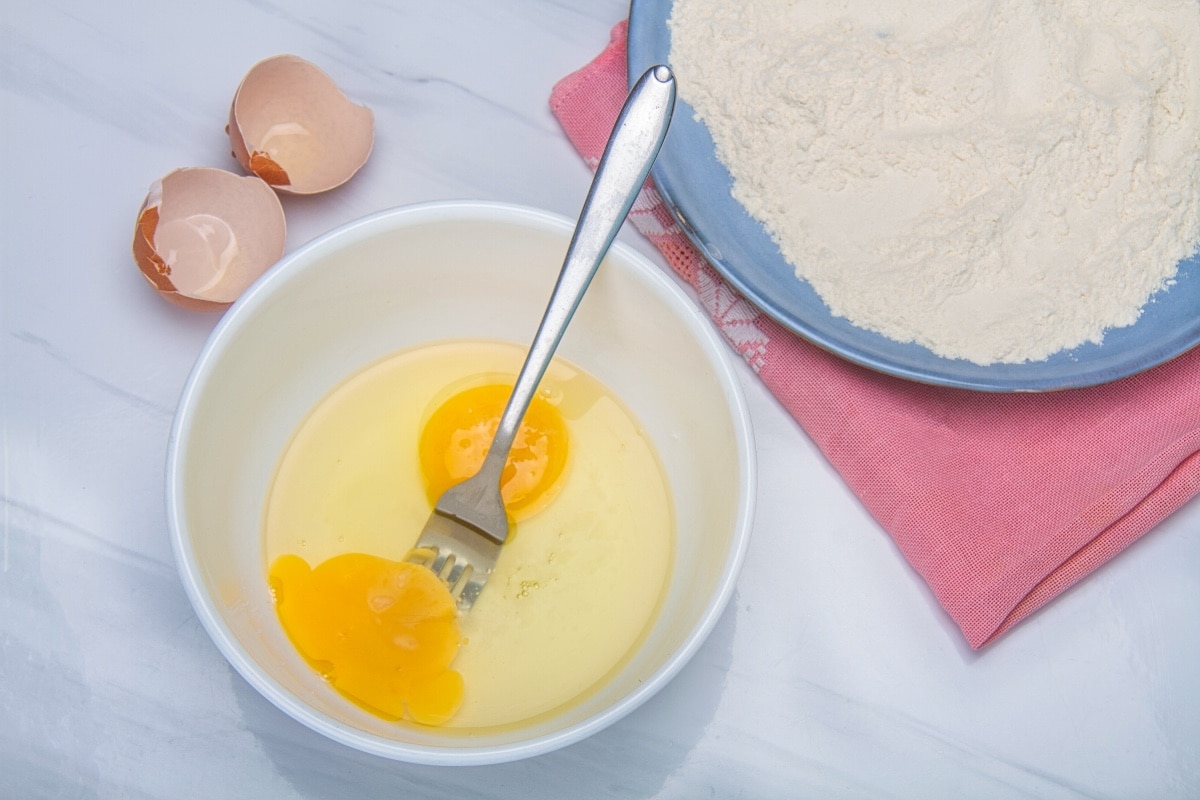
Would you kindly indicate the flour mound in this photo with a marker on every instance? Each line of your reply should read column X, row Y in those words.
column 997, row 181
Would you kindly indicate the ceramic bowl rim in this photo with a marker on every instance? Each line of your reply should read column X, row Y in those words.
column 261, row 292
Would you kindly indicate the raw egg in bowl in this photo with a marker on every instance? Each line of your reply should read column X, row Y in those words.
column 362, row 372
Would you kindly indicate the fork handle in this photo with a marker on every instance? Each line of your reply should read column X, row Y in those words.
column 637, row 136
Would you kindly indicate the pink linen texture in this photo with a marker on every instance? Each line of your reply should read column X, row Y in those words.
column 999, row 501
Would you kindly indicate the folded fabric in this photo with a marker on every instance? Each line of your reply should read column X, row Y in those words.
column 999, row 501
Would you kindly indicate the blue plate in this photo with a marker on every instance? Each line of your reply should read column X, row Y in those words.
column 697, row 188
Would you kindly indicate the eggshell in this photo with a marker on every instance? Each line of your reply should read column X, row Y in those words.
column 293, row 127
column 204, row 235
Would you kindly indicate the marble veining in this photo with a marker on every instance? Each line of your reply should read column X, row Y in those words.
column 832, row 673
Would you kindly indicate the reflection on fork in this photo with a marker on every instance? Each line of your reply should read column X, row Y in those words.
column 463, row 536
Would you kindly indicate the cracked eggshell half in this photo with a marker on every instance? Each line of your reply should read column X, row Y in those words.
column 293, row 127
column 204, row 235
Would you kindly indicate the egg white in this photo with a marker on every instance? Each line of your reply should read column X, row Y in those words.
column 578, row 582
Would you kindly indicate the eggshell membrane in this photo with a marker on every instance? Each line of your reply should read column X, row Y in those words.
column 203, row 235
column 292, row 126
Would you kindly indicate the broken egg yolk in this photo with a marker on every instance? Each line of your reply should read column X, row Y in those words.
column 382, row 632
column 459, row 432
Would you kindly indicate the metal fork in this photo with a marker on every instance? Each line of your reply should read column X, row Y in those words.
column 463, row 536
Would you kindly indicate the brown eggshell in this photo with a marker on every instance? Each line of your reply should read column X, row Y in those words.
column 293, row 127
column 204, row 235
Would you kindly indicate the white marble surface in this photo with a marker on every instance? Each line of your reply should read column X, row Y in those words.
column 832, row 674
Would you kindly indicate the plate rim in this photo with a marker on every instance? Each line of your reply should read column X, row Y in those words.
column 1072, row 368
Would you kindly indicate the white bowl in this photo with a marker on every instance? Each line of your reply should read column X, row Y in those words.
column 422, row 274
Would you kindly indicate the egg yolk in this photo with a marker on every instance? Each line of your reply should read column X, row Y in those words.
column 456, row 438
column 382, row 632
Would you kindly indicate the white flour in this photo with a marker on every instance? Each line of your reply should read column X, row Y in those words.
column 994, row 180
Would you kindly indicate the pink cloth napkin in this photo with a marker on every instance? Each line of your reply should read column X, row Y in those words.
column 1000, row 501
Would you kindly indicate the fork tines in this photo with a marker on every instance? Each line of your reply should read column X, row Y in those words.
column 458, row 554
